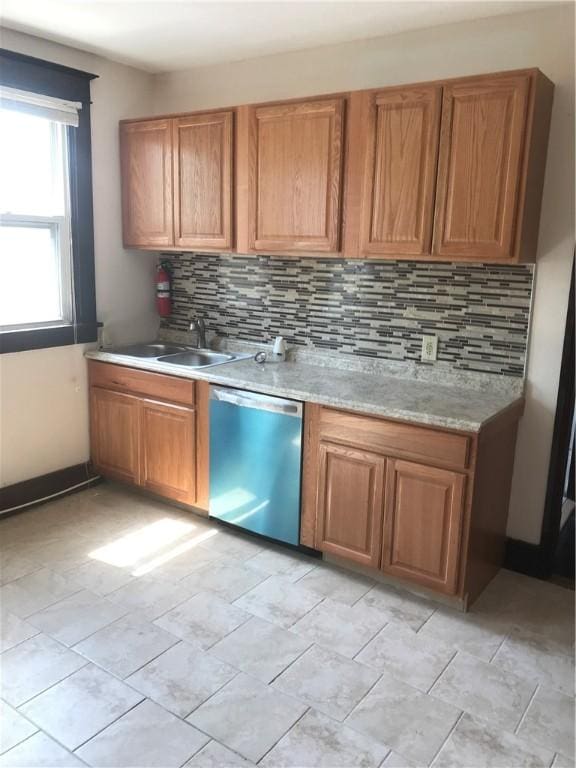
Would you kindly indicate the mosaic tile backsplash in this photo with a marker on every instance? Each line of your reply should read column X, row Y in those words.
column 378, row 309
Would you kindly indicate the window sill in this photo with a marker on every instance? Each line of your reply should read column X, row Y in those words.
column 43, row 338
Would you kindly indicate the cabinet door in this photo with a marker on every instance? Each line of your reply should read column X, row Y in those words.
column 349, row 516
column 114, row 434
column 480, row 167
column 203, row 180
column 422, row 524
column 294, row 176
column 146, row 168
column 168, row 454
column 400, row 171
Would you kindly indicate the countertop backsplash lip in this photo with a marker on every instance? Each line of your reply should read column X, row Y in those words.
column 365, row 314
column 439, row 373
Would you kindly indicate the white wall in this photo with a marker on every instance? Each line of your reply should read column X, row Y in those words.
column 43, row 393
column 541, row 39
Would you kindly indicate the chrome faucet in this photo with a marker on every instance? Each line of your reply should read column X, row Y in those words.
column 199, row 326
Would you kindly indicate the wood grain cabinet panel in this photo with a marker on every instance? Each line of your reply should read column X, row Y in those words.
column 349, row 520
column 480, row 167
column 400, row 170
column 168, row 454
column 203, row 180
column 114, row 434
column 294, row 170
column 146, row 171
column 422, row 525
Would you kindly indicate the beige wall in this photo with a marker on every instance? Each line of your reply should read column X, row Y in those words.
column 541, row 39
column 43, row 393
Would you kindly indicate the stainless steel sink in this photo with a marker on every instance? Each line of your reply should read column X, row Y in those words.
column 198, row 358
column 153, row 350
column 177, row 354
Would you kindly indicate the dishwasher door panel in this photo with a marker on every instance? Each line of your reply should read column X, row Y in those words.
column 255, row 464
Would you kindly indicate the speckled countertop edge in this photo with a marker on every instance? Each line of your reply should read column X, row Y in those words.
column 392, row 397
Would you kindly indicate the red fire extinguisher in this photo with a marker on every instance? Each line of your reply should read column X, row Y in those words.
column 163, row 289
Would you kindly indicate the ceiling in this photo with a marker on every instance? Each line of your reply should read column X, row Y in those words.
column 170, row 35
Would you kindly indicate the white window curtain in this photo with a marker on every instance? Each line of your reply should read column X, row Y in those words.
column 58, row 110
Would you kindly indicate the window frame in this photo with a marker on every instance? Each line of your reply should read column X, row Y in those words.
column 30, row 74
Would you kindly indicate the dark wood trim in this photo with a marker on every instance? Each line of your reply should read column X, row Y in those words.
column 560, row 444
column 30, row 492
column 30, row 74
column 42, row 338
column 46, row 77
column 523, row 557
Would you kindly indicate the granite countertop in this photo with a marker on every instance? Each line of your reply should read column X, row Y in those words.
column 394, row 397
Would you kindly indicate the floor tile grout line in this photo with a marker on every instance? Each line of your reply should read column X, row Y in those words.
column 81, row 640
column 525, row 712
column 421, row 627
column 19, row 744
column 285, row 733
column 451, row 659
column 49, row 687
column 500, row 645
column 39, row 632
column 448, row 735
column 50, row 605
column 52, row 738
column 98, row 732
column 374, row 636
column 237, row 672
column 101, row 629
column 269, row 683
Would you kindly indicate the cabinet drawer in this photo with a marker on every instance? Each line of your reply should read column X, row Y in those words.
column 155, row 385
column 395, row 439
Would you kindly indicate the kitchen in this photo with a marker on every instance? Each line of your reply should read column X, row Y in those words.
column 393, row 440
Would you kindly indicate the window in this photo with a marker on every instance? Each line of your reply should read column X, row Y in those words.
column 46, row 239
column 34, row 222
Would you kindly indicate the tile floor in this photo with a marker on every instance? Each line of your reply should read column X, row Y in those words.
column 134, row 634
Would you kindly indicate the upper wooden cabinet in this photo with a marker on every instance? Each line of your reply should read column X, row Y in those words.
column 289, row 174
column 480, row 169
column 203, row 181
column 449, row 170
column 177, row 182
column 397, row 195
column 146, row 165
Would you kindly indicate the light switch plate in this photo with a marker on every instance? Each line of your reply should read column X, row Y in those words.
column 429, row 348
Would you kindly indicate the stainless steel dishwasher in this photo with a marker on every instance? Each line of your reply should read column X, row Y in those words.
column 255, row 462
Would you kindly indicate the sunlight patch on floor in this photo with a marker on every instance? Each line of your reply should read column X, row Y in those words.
column 135, row 547
column 176, row 551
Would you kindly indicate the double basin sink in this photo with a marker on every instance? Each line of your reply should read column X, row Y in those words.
column 177, row 354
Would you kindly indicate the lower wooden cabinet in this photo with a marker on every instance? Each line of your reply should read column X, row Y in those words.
column 421, row 504
column 422, row 524
column 141, row 438
column 350, row 503
column 114, row 419
column 167, row 441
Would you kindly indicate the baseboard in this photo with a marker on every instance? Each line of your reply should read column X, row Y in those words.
column 14, row 498
column 525, row 558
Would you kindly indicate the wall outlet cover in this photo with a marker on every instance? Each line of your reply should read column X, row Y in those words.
column 429, row 348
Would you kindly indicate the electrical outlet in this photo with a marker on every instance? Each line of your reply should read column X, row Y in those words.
column 429, row 348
